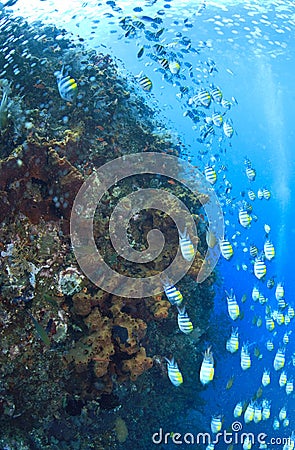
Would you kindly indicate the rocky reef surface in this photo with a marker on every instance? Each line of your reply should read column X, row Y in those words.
column 81, row 368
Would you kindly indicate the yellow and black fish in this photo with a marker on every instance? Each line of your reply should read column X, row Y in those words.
column 216, row 94
column 144, row 82
column 164, row 63
column 228, row 128
column 184, row 323
column 210, row 175
column 226, row 249
column 67, row 86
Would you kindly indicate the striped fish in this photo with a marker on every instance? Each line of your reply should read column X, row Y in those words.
column 265, row 378
column 226, row 104
column 283, row 413
column 266, row 410
column 289, row 387
column 287, row 321
column 216, row 424
column 138, row 24
column 216, row 94
column 257, row 414
column 286, row 338
column 226, row 249
column 280, row 291
column 244, row 218
column 260, row 194
column 174, row 373
column 249, row 414
column 269, row 250
column 232, row 344
column 245, row 358
column 164, row 63
column 144, row 82
column 280, row 318
column 206, row 130
column 232, row 305
column 269, row 345
column 276, row 424
column 283, row 379
column 159, row 49
column 255, row 294
column 286, row 423
column 269, row 323
column 282, row 303
column 210, row 175
column 207, row 367
column 173, row 295
column 186, row 246
column 228, row 128
column 259, row 268
column 247, row 207
column 251, row 195
column 279, row 360
column 266, row 194
column 184, row 322
column 67, row 86
column 217, row 119
column 238, row 409
column 253, row 250
column 204, row 98
column 251, row 173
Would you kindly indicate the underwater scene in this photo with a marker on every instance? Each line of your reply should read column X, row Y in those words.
column 147, row 224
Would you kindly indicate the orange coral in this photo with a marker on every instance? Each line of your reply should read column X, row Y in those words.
column 135, row 328
column 137, row 365
column 96, row 347
column 105, row 335
column 159, row 307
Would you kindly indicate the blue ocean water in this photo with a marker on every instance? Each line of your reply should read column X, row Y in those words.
column 250, row 46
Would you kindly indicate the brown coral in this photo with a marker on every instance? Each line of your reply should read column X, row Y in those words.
column 137, row 365
column 116, row 337
column 96, row 347
column 135, row 328
column 27, row 176
column 81, row 304
column 159, row 307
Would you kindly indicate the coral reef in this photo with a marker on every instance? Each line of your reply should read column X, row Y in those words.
column 109, row 339
column 121, row 430
column 30, row 180
column 136, row 366
column 72, row 355
column 159, row 307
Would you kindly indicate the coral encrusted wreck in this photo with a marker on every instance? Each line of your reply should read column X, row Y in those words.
column 69, row 349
